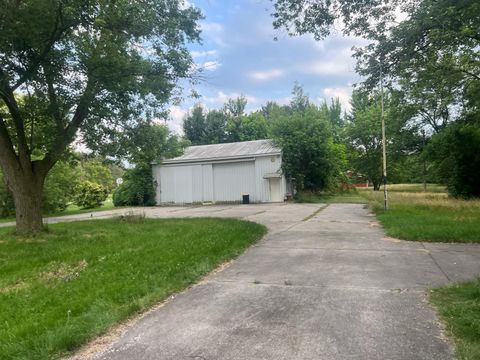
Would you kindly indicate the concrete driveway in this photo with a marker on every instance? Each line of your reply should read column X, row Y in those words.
column 330, row 286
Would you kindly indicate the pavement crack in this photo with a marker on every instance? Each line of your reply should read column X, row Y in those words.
column 315, row 212
column 290, row 284
column 436, row 263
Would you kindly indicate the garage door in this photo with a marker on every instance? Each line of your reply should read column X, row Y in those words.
column 232, row 180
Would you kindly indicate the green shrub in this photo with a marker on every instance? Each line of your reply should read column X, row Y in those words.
column 137, row 188
column 57, row 192
column 456, row 154
column 89, row 195
column 93, row 170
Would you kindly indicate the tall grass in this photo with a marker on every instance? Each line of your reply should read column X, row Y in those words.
column 431, row 216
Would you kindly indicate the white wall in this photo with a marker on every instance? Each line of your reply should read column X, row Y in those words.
column 221, row 182
column 232, row 180
column 267, row 165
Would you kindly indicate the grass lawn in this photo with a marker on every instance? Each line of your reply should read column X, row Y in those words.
column 60, row 289
column 427, row 216
column 431, row 188
column 459, row 307
column 312, row 197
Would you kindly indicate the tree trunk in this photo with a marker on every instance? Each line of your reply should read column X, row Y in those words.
column 376, row 185
column 27, row 195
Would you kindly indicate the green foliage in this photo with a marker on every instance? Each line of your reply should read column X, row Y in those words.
column 194, row 125
column 93, row 69
column 215, row 127
column 309, row 155
column 363, row 135
column 427, row 216
column 459, row 307
column 57, row 193
column 95, row 171
column 253, row 127
column 365, row 18
column 89, row 194
column 304, row 131
column 59, row 184
column 456, row 154
column 229, row 124
column 67, row 286
column 137, row 189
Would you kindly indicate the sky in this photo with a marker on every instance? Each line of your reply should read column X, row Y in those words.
column 239, row 56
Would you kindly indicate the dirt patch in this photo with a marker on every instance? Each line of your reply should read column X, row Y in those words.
column 388, row 238
column 20, row 285
column 374, row 224
column 63, row 272
column 31, row 240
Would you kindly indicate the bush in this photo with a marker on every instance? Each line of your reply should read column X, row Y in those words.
column 96, row 172
column 57, row 193
column 89, row 195
column 309, row 154
column 137, row 188
column 456, row 154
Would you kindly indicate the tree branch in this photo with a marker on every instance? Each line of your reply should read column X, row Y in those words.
column 6, row 94
column 9, row 157
column 54, row 36
column 66, row 135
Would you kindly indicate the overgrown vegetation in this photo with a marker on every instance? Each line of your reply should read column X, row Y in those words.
column 459, row 308
column 427, row 216
column 61, row 288
column 350, row 196
column 429, row 62
column 137, row 188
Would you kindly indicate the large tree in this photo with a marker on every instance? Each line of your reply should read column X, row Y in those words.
column 81, row 68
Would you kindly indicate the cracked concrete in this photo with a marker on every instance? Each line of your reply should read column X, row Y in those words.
column 321, row 285
column 330, row 287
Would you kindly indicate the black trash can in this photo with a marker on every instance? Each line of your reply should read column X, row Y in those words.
column 246, row 199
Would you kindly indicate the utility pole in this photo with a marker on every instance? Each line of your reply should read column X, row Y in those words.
column 424, row 164
column 384, row 145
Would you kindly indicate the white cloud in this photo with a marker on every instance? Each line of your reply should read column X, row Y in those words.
column 213, row 31
column 211, row 65
column 342, row 93
column 198, row 54
column 327, row 68
column 221, row 98
column 175, row 119
column 266, row 75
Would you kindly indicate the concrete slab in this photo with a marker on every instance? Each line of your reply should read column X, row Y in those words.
column 232, row 321
column 331, row 267
column 325, row 283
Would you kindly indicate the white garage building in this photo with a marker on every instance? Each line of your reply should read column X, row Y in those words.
column 222, row 173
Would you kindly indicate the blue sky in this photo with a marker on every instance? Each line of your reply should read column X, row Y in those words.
column 239, row 55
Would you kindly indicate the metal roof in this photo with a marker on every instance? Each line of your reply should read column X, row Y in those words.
column 237, row 150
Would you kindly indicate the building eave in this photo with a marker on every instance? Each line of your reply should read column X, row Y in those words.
column 216, row 159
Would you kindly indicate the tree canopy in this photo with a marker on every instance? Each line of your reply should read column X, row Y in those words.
column 81, row 69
